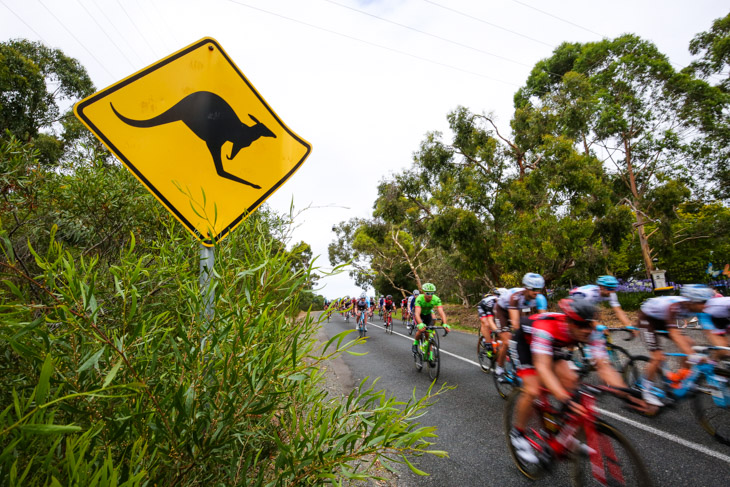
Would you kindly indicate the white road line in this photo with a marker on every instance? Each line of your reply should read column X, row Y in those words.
column 667, row 436
column 618, row 417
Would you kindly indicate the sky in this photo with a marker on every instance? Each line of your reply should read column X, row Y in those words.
column 363, row 81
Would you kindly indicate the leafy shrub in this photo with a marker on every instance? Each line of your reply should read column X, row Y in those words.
column 112, row 374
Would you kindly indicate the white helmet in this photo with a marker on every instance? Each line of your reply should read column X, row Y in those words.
column 697, row 293
column 533, row 281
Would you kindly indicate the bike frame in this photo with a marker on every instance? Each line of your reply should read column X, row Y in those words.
column 721, row 393
column 550, row 444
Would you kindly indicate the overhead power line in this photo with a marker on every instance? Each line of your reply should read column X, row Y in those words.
column 496, row 26
column 561, row 19
column 466, row 46
column 380, row 46
column 24, row 22
column 124, row 38
column 152, row 49
column 76, row 39
column 105, row 33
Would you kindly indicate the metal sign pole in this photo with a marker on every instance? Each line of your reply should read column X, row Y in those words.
column 207, row 261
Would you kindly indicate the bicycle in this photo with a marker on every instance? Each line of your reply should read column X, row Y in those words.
column 558, row 434
column 410, row 324
column 706, row 384
column 388, row 322
column 487, row 352
column 509, row 380
column 429, row 351
column 618, row 356
column 362, row 331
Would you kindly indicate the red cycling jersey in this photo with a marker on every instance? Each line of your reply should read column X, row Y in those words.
column 549, row 334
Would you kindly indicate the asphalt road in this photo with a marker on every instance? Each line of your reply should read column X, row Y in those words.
column 675, row 449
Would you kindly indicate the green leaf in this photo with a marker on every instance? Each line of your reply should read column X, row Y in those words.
column 41, row 392
column 92, row 361
column 112, row 373
column 413, row 468
column 49, row 429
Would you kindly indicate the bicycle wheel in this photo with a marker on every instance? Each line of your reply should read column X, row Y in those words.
column 634, row 370
column 532, row 471
column 411, row 326
column 619, row 357
column 390, row 325
column 484, row 354
column 713, row 418
column 434, row 362
column 508, row 381
column 418, row 358
column 615, row 461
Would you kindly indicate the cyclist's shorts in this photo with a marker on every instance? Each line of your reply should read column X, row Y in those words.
column 720, row 325
column 651, row 329
column 519, row 351
column 426, row 320
column 501, row 319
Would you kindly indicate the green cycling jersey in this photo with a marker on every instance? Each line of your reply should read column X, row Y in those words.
column 427, row 307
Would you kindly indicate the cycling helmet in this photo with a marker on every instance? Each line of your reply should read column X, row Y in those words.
column 501, row 290
column 609, row 282
column 416, row 292
column 697, row 293
column 429, row 288
column 533, row 281
column 578, row 309
column 363, row 296
column 389, row 297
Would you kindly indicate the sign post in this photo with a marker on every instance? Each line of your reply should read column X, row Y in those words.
column 200, row 138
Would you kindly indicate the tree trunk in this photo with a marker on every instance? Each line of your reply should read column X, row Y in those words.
column 643, row 239
column 644, row 243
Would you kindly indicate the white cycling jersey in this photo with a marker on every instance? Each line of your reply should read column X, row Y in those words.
column 658, row 307
column 506, row 298
column 718, row 307
column 592, row 293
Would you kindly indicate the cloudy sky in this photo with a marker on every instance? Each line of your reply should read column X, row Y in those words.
column 361, row 80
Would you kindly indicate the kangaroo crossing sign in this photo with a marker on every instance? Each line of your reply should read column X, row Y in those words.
column 199, row 136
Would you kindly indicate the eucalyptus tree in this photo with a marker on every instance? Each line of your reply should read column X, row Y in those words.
column 620, row 101
column 38, row 86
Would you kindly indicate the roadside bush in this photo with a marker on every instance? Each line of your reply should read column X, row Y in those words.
column 112, row 374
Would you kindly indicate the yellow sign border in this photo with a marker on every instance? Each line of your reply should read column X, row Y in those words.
column 98, row 96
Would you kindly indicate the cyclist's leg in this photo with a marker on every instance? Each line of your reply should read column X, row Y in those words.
column 567, row 376
column 505, row 334
column 530, row 392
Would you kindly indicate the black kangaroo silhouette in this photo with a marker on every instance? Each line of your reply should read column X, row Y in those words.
column 212, row 119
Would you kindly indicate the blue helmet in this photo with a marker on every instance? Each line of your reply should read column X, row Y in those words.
column 697, row 293
column 533, row 281
column 608, row 282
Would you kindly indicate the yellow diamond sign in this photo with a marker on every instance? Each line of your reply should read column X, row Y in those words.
column 199, row 136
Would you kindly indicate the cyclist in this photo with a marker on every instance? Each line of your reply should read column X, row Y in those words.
column 660, row 314
column 485, row 309
column 541, row 352
column 411, row 305
column 718, row 310
column 381, row 301
column 388, row 307
column 362, row 305
column 603, row 290
column 423, row 314
column 508, row 308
